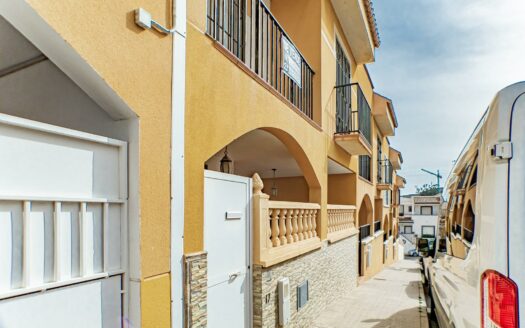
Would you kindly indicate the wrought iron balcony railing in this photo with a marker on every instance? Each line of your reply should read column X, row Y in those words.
column 377, row 226
column 251, row 33
column 385, row 172
column 353, row 114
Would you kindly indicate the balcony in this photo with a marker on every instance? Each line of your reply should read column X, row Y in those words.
column 400, row 181
column 283, row 230
column 353, row 120
column 384, row 115
column 359, row 26
column 396, row 158
column 341, row 222
column 385, row 173
column 249, row 31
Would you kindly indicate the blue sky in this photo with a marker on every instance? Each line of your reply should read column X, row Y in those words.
column 441, row 62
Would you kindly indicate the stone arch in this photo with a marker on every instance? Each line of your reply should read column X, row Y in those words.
column 366, row 211
column 295, row 149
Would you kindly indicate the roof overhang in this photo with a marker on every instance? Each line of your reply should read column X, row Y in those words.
column 395, row 158
column 384, row 115
column 400, row 181
column 358, row 23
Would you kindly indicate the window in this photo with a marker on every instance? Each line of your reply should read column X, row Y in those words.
column 364, row 167
column 428, row 231
column 402, row 210
column 379, row 161
column 407, row 229
column 409, row 209
column 343, row 95
column 426, row 210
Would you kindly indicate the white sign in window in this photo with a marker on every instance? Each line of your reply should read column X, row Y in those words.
column 291, row 61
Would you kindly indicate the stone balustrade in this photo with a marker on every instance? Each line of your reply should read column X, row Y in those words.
column 341, row 222
column 282, row 230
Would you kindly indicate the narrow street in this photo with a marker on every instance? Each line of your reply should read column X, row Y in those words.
column 393, row 298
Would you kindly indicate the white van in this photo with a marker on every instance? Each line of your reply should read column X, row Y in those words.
column 479, row 279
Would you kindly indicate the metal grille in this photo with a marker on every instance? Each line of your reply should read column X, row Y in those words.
column 252, row 34
column 364, row 167
column 377, row 226
column 343, row 95
column 364, row 231
column 348, row 118
column 385, row 172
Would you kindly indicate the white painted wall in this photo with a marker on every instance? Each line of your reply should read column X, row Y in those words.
column 424, row 220
column 43, row 93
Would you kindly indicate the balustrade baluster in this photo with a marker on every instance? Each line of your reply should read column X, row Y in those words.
column 300, row 224
column 289, row 231
column 282, row 227
column 295, row 226
column 308, row 224
column 275, row 228
column 314, row 223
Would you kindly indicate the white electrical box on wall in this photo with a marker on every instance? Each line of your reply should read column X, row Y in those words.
column 284, row 300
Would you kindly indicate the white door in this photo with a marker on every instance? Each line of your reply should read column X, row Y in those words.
column 227, row 240
column 62, row 227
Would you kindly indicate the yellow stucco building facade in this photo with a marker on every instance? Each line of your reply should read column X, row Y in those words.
column 258, row 154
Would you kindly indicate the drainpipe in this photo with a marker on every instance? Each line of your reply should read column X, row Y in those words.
column 178, row 88
column 177, row 162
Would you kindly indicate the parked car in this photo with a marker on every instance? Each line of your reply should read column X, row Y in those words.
column 479, row 281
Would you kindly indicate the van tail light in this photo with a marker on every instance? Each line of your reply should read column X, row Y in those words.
column 499, row 301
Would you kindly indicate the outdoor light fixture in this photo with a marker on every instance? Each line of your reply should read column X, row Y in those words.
column 274, row 186
column 226, row 162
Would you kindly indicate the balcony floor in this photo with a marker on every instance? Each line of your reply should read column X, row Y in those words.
column 353, row 143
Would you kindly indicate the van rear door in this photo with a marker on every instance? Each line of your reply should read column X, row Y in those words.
column 516, row 211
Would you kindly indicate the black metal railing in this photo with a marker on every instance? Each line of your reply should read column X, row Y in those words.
column 364, row 231
column 250, row 32
column 377, row 226
column 385, row 171
column 353, row 114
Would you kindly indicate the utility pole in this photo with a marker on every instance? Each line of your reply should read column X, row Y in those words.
column 436, row 174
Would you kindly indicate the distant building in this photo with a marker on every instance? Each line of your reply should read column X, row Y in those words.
column 419, row 217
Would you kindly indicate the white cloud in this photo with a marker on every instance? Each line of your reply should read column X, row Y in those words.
column 442, row 62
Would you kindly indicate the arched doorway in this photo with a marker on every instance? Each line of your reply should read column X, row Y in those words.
column 365, row 218
column 285, row 174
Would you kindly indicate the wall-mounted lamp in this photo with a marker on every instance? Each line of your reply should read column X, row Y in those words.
column 274, row 185
column 226, row 163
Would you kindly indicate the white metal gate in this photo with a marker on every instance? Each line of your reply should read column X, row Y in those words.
column 63, row 226
column 227, row 236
